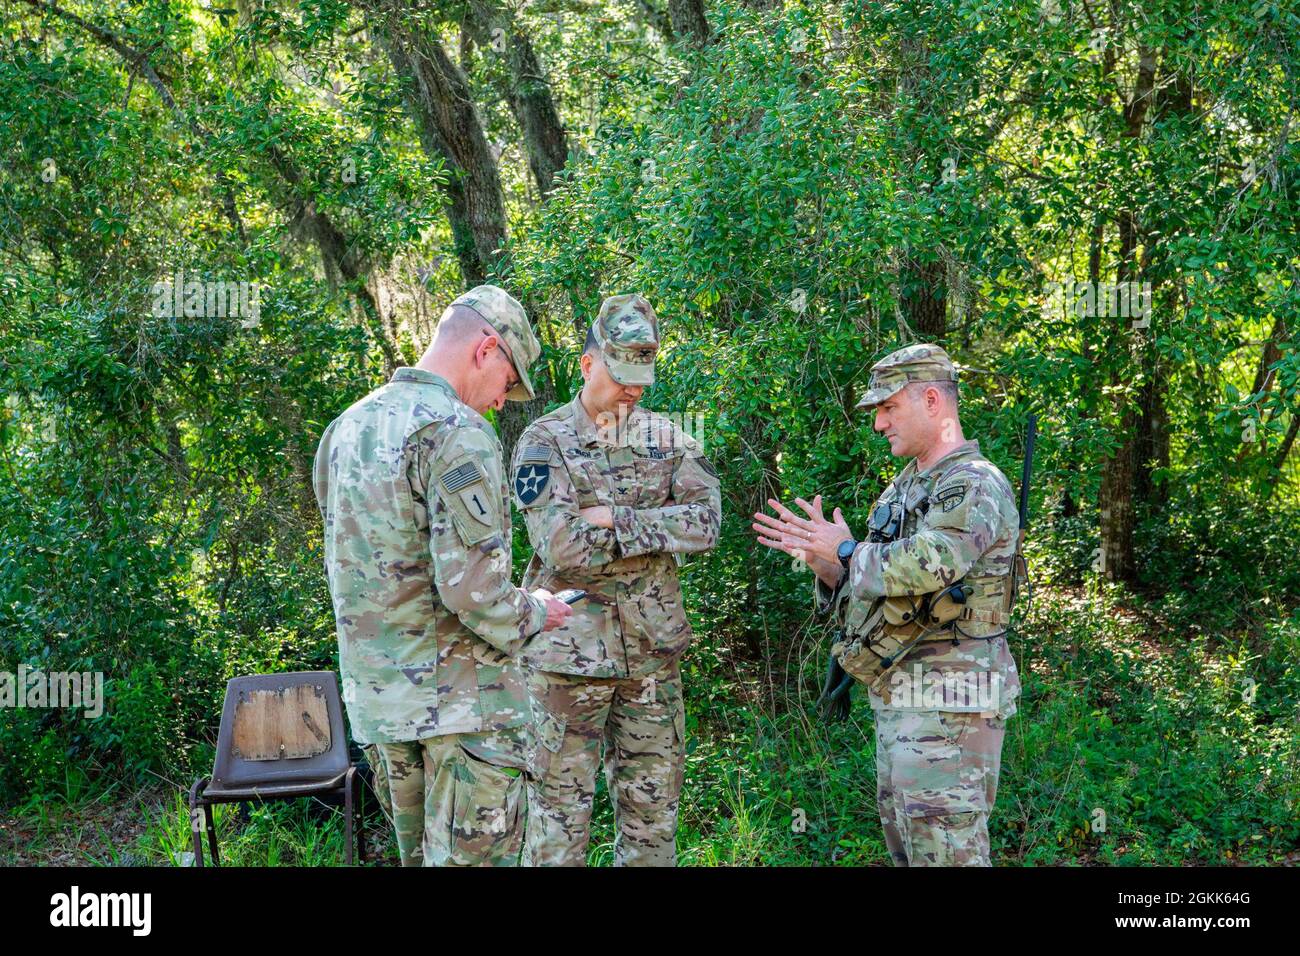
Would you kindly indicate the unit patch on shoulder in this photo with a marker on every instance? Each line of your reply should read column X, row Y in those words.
column 533, row 473
column 466, row 481
column 950, row 497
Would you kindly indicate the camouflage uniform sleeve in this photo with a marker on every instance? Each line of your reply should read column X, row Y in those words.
column 963, row 522
column 825, row 599
column 562, row 539
column 321, row 472
column 691, row 524
column 469, row 538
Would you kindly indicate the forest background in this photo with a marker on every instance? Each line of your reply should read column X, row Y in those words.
column 1092, row 205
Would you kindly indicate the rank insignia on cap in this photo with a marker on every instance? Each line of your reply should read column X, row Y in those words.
column 530, row 480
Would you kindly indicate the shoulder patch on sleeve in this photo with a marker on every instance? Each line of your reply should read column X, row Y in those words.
column 531, row 480
column 469, row 500
column 950, row 497
column 462, row 476
column 535, row 455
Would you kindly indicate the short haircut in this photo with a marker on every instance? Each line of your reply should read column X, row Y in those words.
column 591, row 344
column 461, row 323
column 946, row 389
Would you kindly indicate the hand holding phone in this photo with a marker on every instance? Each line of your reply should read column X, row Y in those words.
column 571, row 596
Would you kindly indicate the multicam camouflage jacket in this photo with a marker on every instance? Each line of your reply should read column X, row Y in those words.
column 959, row 523
column 417, row 550
column 666, row 502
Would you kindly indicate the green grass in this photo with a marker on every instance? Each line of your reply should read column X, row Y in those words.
column 1122, row 720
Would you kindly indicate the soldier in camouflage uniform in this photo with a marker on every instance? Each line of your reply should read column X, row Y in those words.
column 612, row 495
column 411, row 486
column 941, row 714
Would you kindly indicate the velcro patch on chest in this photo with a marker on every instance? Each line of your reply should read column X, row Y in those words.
column 950, row 497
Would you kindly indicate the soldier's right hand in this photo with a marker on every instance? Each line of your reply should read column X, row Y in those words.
column 557, row 612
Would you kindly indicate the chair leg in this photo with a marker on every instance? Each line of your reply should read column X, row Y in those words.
column 361, row 818
column 347, row 816
column 195, row 830
column 212, row 834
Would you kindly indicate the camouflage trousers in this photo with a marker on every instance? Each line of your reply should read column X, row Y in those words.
column 455, row 800
column 936, row 782
column 640, row 725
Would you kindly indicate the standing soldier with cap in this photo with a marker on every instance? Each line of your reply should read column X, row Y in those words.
column 417, row 550
column 612, row 495
column 933, row 581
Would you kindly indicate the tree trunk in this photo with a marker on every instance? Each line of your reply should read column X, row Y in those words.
column 1152, row 444
column 527, row 92
column 1117, row 516
column 1118, row 470
column 1175, row 100
column 689, row 22
column 339, row 256
column 1264, row 378
column 923, row 293
column 438, row 97
column 922, row 283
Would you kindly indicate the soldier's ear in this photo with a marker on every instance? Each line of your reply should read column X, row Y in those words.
column 483, row 351
column 584, row 362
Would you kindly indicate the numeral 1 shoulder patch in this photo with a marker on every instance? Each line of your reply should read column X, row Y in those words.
column 467, row 482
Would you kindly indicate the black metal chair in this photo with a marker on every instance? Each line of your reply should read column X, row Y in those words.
column 281, row 738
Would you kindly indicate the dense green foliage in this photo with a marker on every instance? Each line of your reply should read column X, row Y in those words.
column 814, row 186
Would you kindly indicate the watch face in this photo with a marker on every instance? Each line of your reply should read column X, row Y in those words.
column 846, row 549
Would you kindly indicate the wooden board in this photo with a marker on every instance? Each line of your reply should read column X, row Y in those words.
column 290, row 722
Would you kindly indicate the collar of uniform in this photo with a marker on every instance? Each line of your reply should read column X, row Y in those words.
column 588, row 433
column 409, row 374
column 583, row 426
column 964, row 450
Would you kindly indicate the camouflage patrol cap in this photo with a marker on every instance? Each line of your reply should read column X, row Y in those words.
column 913, row 363
column 504, row 313
column 627, row 331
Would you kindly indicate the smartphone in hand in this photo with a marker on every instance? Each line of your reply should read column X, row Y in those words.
column 571, row 596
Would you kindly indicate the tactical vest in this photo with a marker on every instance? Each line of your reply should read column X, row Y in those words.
column 877, row 636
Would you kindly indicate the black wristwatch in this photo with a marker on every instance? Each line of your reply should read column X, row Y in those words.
column 845, row 552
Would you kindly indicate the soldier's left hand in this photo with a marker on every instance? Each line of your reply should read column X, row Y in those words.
column 602, row 516
column 812, row 539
